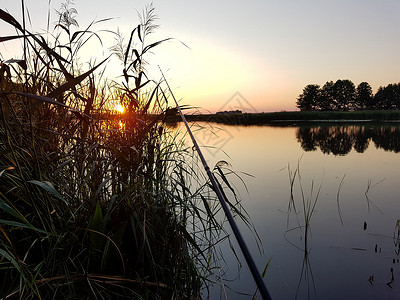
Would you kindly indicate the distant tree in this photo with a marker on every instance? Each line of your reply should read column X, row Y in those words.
column 344, row 94
column 364, row 96
column 326, row 101
column 388, row 97
column 396, row 96
column 309, row 98
column 381, row 98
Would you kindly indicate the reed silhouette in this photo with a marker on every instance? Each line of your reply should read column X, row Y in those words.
column 95, row 203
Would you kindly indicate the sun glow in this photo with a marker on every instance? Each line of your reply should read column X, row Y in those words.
column 119, row 108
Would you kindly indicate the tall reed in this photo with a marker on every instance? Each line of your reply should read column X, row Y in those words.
column 95, row 204
column 303, row 214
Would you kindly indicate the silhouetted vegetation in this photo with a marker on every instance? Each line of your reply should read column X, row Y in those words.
column 342, row 95
column 296, row 117
column 229, row 112
column 94, row 206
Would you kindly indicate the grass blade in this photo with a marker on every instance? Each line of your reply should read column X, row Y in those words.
column 48, row 186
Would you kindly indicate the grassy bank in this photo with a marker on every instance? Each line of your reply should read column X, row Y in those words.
column 297, row 117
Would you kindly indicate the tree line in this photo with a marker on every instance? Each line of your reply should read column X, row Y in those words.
column 343, row 95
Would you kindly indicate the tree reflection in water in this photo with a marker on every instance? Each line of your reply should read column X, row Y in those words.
column 341, row 139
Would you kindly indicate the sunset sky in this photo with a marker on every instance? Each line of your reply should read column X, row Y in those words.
column 267, row 51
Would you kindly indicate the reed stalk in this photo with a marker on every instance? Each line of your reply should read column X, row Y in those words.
column 308, row 204
column 93, row 202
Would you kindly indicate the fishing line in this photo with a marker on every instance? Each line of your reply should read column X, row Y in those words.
column 250, row 262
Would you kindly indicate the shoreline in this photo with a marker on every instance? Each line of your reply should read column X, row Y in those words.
column 376, row 116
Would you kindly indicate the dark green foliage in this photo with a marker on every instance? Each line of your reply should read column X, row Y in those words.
column 92, row 202
column 388, row 97
column 308, row 100
column 344, row 93
column 340, row 95
column 327, row 98
column 343, row 96
column 364, row 98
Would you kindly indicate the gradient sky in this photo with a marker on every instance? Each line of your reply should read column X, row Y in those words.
column 267, row 51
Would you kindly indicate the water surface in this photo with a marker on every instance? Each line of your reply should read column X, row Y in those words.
column 352, row 242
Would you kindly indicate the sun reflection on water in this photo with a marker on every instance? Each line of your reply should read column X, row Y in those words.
column 121, row 125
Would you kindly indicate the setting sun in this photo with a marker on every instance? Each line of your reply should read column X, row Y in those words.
column 119, row 108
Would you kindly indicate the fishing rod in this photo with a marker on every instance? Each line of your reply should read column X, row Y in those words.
column 250, row 262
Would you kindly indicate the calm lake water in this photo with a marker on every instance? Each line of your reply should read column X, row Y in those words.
column 352, row 249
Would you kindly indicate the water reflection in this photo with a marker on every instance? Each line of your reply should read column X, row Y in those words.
column 396, row 238
column 306, row 279
column 338, row 259
column 340, row 140
column 306, row 208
